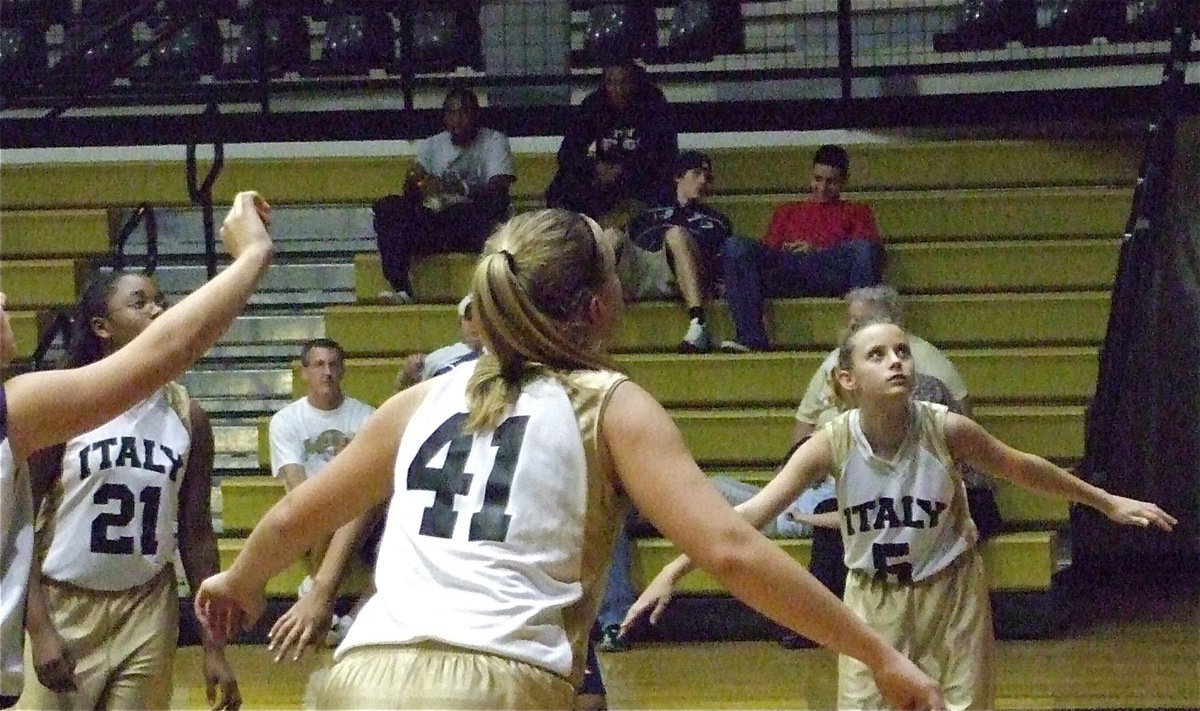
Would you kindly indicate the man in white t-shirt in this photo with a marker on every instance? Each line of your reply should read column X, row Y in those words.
column 455, row 193
column 421, row 366
column 307, row 434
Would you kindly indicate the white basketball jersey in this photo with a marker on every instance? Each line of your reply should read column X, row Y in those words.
column 906, row 518
column 16, row 556
column 111, row 519
column 498, row 540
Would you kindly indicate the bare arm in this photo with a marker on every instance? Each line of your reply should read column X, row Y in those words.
column 309, row 617
column 53, row 406
column 52, row 660
column 807, row 465
column 970, row 443
column 670, row 490
column 358, row 478
column 198, row 552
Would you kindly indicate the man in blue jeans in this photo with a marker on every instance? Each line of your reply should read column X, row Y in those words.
column 822, row 246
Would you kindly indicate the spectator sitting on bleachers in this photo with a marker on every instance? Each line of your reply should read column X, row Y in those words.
column 304, row 437
column 455, row 193
column 863, row 304
column 823, row 246
column 619, row 148
column 420, row 366
column 673, row 250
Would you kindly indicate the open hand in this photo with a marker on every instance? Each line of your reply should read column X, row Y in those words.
column 654, row 599
column 1132, row 512
column 302, row 626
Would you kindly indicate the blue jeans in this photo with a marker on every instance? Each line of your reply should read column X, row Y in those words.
column 754, row 271
column 619, row 594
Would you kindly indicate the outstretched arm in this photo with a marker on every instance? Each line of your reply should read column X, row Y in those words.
column 970, row 443
column 359, row 477
column 667, row 487
column 809, row 463
column 53, row 406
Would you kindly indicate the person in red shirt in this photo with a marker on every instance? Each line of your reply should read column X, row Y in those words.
column 822, row 246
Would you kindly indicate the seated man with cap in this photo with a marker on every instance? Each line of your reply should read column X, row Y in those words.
column 673, row 250
column 421, row 366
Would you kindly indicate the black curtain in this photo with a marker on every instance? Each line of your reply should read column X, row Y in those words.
column 1143, row 433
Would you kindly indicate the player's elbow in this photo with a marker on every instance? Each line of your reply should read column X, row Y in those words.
column 727, row 553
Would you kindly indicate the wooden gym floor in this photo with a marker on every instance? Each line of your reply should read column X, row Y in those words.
column 1123, row 650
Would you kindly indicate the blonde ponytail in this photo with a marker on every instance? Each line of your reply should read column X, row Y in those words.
column 531, row 292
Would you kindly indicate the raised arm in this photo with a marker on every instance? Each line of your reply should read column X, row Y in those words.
column 970, row 443
column 357, row 479
column 665, row 484
column 53, row 406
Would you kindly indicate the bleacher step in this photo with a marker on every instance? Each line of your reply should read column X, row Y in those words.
column 967, row 320
column 1001, row 375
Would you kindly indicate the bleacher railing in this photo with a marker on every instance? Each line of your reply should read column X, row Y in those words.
column 379, row 54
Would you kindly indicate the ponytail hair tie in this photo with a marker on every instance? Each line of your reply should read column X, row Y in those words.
column 510, row 260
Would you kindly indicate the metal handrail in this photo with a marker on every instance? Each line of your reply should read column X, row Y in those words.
column 60, row 324
column 143, row 213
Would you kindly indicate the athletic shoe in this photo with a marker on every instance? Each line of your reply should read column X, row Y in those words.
column 395, row 297
column 610, row 640
column 697, row 338
column 339, row 627
column 735, row 347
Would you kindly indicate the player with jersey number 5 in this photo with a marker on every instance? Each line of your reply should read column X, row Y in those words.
column 506, row 480
column 41, row 409
column 915, row 573
column 119, row 501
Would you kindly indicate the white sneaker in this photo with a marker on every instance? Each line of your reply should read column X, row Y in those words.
column 734, row 347
column 697, row 338
column 339, row 627
column 395, row 297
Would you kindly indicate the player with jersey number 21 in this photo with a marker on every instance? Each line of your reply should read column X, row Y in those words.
column 507, row 477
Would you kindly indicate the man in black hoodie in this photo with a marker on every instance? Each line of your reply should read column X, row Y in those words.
column 620, row 149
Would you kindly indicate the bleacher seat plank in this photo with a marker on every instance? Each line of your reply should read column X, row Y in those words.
column 925, row 268
column 1014, row 561
column 53, row 233
column 942, row 215
column 43, row 282
column 1011, row 266
column 762, row 435
column 967, row 320
column 929, row 165
column 1037, row 375
column 26, row 331
column 920, row 165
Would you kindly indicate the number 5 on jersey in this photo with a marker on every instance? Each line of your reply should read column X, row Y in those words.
column 490, row 522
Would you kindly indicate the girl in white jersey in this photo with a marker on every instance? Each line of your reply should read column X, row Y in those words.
column 915, row 574
column 103, row 616
column 41, row 409
column 507, row 478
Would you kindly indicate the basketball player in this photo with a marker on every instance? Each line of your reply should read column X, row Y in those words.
column 507, row 477
column 103, row 616
column 915, row 572
column 41, row 409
